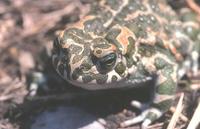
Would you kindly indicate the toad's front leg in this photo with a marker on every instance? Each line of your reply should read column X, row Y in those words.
column 164, row 94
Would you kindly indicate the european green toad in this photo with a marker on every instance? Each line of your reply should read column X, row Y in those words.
column 123, row 43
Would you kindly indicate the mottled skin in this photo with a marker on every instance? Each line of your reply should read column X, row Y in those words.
column 122, row 43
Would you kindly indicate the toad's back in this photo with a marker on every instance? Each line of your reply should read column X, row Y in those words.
column 131, row 28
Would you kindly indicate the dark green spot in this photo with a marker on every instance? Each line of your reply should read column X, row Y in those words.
column 146, row 50
column 101, row 43
column 168, row 87
column 76, row 59
column 112, row 35
column 168, row 70
column 101, row 78
column 120, row 68
column 74, row 49
column 189, row 16
column 191, row 32
column 130, row 52
column 159, row 43
column 95, row 26
column 129, row 61
column 76, row 73
column 160, row 63
column 86, row 65
column 74, row 32
column 131, row 46
column 152, row 116
column 114, row 4
column 114, row 78
column 164, row 105
column 87, row 78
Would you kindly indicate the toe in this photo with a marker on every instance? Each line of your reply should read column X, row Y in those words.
column 146, row 123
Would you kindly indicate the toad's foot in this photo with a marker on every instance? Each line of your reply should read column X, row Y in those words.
column 146, row 117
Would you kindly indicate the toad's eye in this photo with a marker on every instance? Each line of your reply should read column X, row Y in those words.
column 107, row 62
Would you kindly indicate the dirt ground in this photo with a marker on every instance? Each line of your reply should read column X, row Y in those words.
column 27, row 29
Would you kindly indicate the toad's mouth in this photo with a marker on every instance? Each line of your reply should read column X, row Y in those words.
column 103, row 83
column 124, row 83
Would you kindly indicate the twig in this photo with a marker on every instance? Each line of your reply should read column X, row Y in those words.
column 6, row 97
column 16, row 84
column 182, row 126
column 155, row 126
column 195, row 86
column 177, row 113
column 13, row 86
column 182, row 117
column 195, row 119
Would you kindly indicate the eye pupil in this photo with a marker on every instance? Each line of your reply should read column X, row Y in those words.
column 107, row 62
